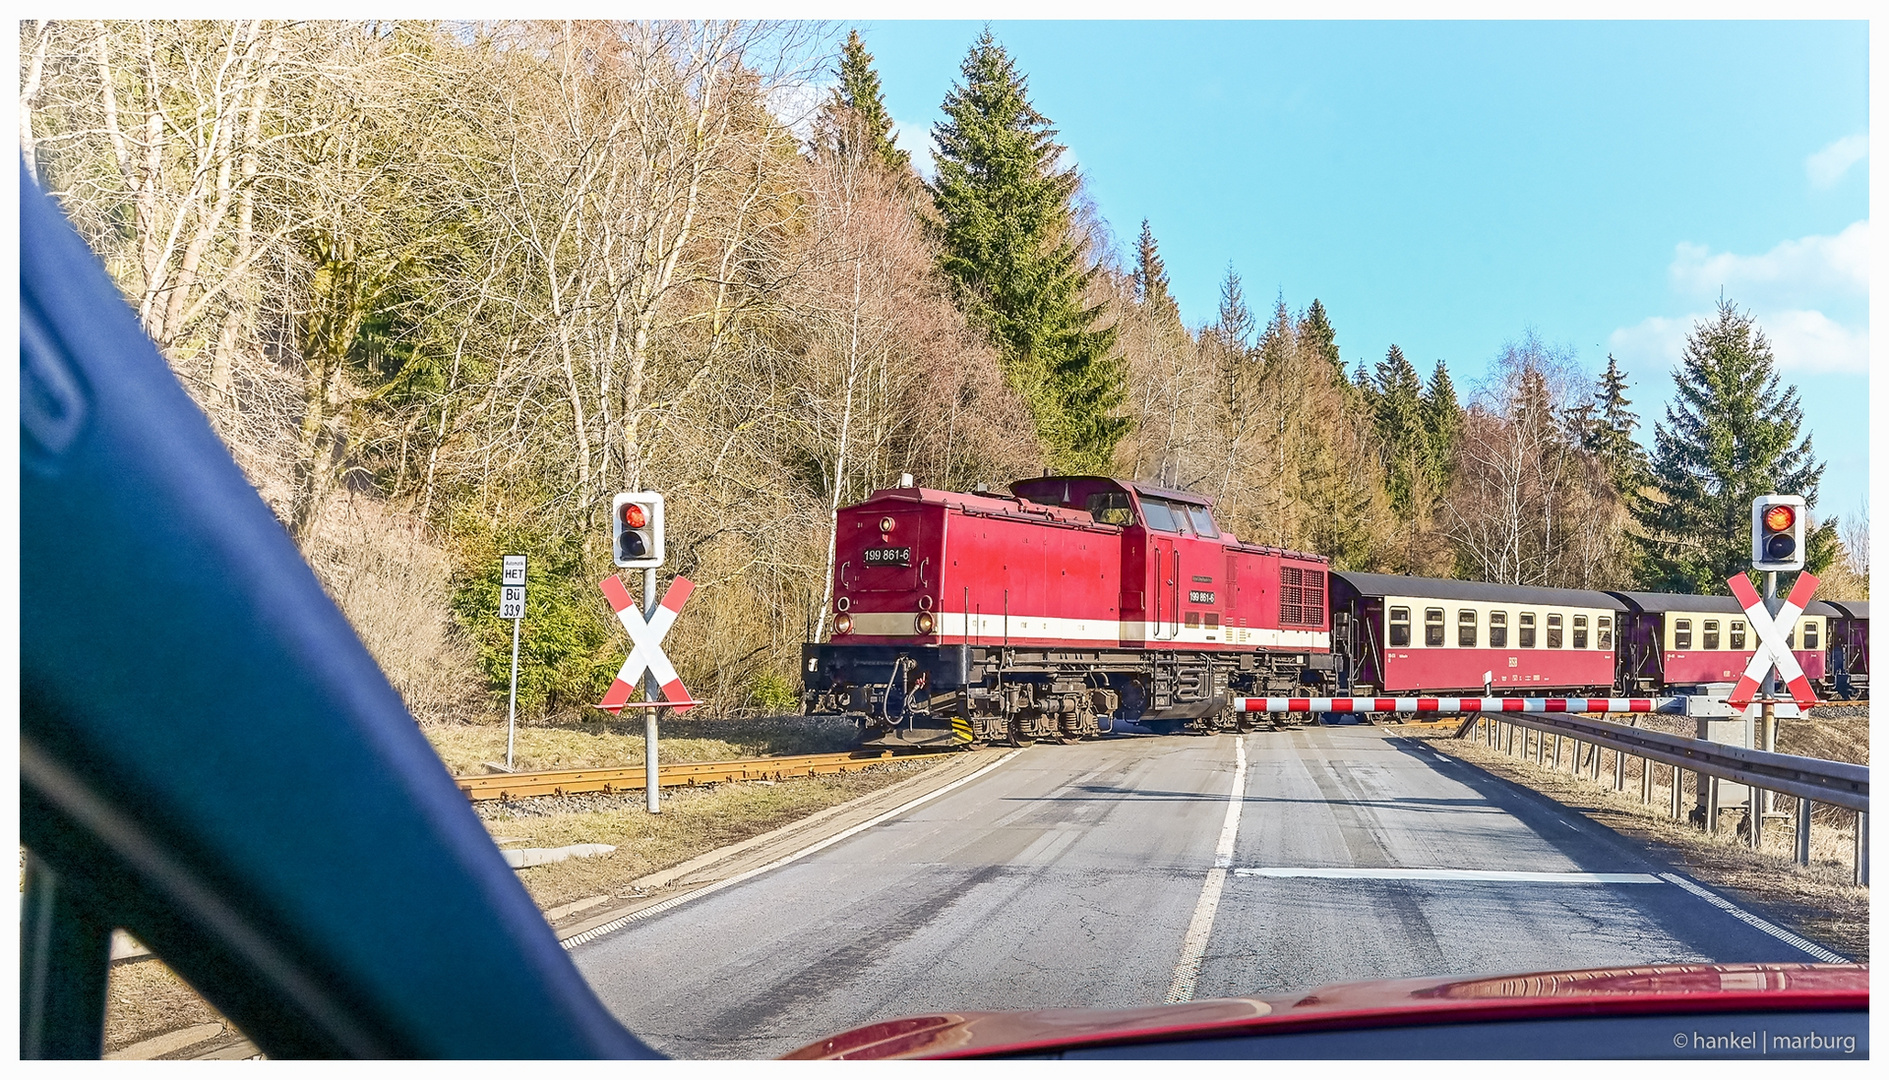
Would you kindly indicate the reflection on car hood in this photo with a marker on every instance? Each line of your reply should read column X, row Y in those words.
column 1689, row 988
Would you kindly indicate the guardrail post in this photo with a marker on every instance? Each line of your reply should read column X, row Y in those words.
column 1678, row 782
column 1620, row 771
column 1646, row 781
column 1508, row 734
column 1803, row 831
column 1754, row 816
column 1862, row 848
column 1711, row 803
column 1556, row 763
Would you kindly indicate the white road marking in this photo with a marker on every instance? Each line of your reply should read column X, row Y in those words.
column 677, row 901
column 1747, row 917
column 1194, row 945
column 1403, row 873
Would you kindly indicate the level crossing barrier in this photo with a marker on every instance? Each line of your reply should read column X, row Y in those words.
column 1496, row 720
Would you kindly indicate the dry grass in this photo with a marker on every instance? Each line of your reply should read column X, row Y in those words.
column 619, row 742
column 1817, row 901
column 693, row 821
column 144, row 998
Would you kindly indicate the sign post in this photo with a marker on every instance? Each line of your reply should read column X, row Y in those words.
column 511, row 605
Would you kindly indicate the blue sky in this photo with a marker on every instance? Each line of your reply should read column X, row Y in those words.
column 1451, row 186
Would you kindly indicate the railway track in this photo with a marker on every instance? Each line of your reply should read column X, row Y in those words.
column 679, row 774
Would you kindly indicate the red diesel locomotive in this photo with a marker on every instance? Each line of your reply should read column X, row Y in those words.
column 1076, row 606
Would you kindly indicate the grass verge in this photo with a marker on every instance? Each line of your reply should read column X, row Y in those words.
column 1817, row 901
column 693, row 821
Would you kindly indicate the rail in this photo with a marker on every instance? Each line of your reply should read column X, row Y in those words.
column 675, row 774
column 1810, row 780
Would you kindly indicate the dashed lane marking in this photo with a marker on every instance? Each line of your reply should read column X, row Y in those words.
column 1194, row 945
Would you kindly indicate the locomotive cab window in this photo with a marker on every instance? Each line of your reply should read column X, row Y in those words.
column 1525, row 630
column 1604, row 632
column 1158, row 516
column 1810, row 636
column 1580, row 631
column 1203, row 522
column 1111, row 508
column 1554, row 631
column 1498, row 629
column 1433, row 626
column 1710, row 635
column 1466, row 628
column 1682, row 634
column 1738, row 633
column 1400, row 627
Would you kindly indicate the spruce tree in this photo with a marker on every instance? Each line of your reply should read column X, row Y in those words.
column 1606, row 429
column 1009, row 250
column 1316, row 331
column 1398, row 413
column 859, row 108
column 1151, row 276
column 1730, row 435
column 1234, row 326
column 1442, row 426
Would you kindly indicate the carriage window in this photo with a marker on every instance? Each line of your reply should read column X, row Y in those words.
column 1738, row 633
column 1580, row 631
column 1433, row 626
column 1400, row 627
column 1604, row 632
column 1682, row 633
column 1710, row 635
column 1525, row 630
column 1498, row 629
column 1810, row 635
column 1554, row 631
column 1466, row 628
column 1158, row 516
column 1111, row 508
column 1203, row 521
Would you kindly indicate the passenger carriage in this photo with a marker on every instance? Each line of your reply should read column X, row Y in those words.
column 1407, row 635
column 1678, row 643
column 1849, row 649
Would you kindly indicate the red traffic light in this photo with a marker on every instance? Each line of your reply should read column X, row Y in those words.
column 634, row 516
column 1779, row 518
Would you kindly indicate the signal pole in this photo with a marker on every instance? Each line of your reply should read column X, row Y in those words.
column 653, row 691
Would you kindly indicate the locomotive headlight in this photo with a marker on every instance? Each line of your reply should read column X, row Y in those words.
column 886, row 523
column 843, row 623
column 925, row 622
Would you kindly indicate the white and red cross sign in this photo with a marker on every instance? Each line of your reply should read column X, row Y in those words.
column 1773, row 650
column 646, row 646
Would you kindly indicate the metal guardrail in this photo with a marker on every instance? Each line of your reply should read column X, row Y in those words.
column 678, row 774
column 1810, row 780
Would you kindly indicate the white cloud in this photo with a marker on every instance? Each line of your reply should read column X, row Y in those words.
column 1801, row 341
column 1797, row 273
column 1827, row 166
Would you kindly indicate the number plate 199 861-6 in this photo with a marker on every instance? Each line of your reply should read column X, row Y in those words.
column 889, row 556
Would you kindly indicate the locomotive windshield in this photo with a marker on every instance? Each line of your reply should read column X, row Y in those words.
column 1159, row 515
column 1111, row 508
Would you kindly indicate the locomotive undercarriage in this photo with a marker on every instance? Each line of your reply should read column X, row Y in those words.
column 966, row 695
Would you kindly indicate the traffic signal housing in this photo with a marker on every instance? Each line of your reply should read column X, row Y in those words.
column 636, row 529
column 1777, row 532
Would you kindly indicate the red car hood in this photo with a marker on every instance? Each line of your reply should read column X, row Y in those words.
column 1700, row 988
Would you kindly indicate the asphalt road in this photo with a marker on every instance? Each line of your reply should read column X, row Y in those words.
column 1113, row 874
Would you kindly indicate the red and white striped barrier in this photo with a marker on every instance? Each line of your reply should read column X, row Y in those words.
column 1460, row 704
